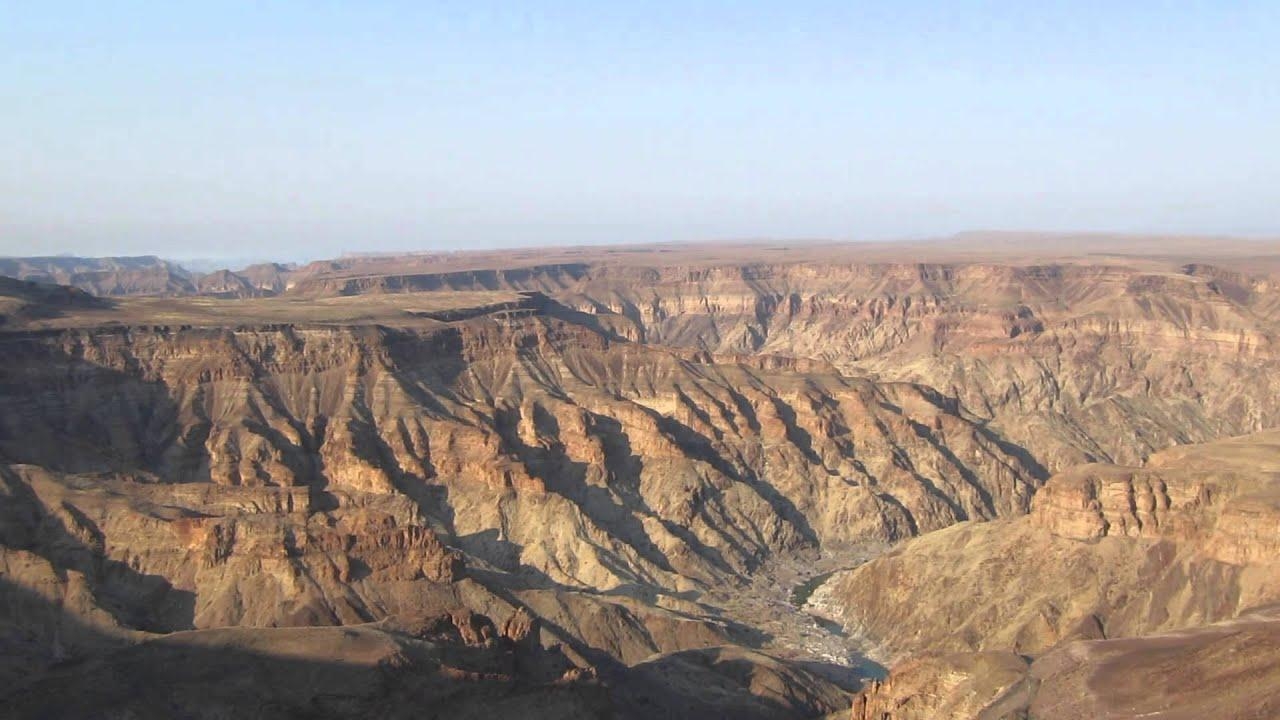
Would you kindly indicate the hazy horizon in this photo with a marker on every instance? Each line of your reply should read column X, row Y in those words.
column 305, row 131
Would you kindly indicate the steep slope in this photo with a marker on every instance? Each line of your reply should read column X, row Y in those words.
column 164, row 480
column 23, row 301
column 508, row 463
column 1108, row 556
column 1107, row 551
column 1223, row 670
column 93, row 569
column 437, row 670
column 108, row 276
column 577, row 465
column 535, row 444
column 1053, row 355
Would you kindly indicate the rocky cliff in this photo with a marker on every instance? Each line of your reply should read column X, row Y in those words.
column 546, row 482
column 1106, row 551
column 1108, row 556
column 1055, row 356
column 535, row 444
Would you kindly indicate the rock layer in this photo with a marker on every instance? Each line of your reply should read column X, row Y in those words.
column 1106, row 551
column 537, row 444
column 520, row 483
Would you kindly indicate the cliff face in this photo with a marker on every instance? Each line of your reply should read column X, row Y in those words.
column 1108, row 558
column 115, row 570
column 163, row 479
column 536, row 444
column 530, row 492
column 1106, row 552
column 1054, row 356
column 116, row 276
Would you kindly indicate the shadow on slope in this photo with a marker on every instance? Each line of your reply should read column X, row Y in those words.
column 320, row 672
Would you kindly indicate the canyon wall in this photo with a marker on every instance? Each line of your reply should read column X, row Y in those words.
column 537, row 492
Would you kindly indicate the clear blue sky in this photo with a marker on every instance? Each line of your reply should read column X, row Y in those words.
column 294, row 129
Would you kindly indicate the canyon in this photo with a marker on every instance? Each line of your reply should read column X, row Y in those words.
column 995, row 476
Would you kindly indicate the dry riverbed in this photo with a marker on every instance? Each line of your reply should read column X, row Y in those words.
column 775, row 602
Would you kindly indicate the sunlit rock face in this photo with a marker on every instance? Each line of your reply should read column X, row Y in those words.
column 530, row 480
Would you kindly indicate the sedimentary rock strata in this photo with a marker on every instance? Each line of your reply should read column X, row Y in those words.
column 540, row 485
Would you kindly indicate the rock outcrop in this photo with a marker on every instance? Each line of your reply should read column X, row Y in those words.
column 475, row 488
column 1114, row 574
column 1106, row 551
column 537, row 444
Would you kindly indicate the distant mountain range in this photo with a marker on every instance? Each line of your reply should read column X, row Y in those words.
column 146, row 275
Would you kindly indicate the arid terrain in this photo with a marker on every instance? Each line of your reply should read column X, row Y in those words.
column 996, row 476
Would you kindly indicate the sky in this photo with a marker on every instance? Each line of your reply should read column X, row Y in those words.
column 297, row 130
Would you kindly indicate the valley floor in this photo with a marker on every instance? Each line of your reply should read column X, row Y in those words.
column 774, row 605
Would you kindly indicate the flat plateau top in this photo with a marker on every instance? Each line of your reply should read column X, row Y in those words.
column 406, row 309
column 424, row 290
column 1147, row 252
